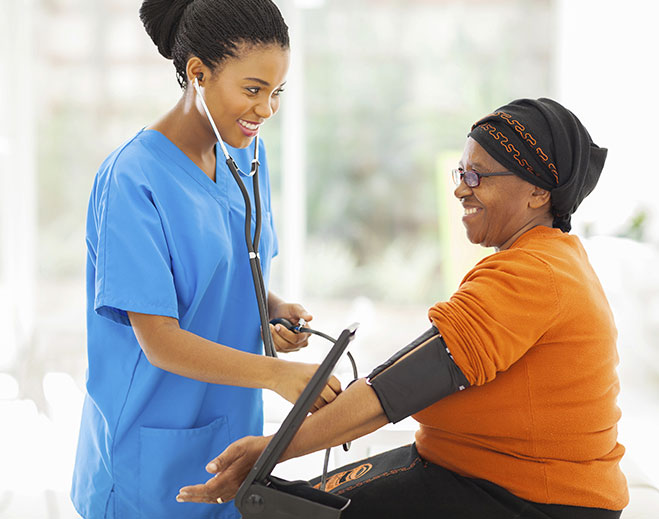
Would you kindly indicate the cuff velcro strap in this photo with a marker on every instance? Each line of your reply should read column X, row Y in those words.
column 422, row 375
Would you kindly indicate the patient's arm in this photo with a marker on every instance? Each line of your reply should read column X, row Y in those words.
column 417, row 376
column 355, row 413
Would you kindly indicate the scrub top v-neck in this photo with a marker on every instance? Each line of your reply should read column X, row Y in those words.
column 164, row 239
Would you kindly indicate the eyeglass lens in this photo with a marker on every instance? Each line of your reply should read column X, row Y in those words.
column 471, row 178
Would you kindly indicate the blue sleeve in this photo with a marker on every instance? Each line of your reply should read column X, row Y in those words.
column 133, row 265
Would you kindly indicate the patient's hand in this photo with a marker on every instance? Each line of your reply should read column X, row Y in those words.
column 230, row 469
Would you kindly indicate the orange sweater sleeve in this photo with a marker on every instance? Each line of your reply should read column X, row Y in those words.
column 504, row 305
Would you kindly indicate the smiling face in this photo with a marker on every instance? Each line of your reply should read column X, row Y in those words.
column 501, row 208
column 243, row 92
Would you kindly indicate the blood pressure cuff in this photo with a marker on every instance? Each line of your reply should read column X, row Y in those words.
column 419, row 375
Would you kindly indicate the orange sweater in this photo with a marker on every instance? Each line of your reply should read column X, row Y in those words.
column 531, row 329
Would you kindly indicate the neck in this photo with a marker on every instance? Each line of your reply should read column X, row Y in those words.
column 191, row 132
column 187, row 128
column 545, row 220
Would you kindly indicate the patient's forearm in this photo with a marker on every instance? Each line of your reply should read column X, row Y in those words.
column 355, row 413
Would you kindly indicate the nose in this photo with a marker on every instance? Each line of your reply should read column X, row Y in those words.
column 266, row 108
column 462, row 190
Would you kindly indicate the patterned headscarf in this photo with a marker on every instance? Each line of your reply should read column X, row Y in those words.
column 545, row 144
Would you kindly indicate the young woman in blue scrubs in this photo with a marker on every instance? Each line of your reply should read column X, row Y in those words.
column 174, row 342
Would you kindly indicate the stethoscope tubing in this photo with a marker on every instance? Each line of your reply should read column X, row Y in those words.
column 252, row 242
column 253, row 246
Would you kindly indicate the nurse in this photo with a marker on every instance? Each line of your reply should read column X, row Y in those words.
column 174, row 343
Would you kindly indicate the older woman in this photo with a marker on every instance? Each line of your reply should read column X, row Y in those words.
column 528, row 335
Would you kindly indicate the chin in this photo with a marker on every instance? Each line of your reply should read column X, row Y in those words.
column 240, row 144
column 238, row 140
column 245, row 143
column 473, row 239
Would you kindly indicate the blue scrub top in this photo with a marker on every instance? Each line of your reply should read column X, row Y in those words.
column 164, row 239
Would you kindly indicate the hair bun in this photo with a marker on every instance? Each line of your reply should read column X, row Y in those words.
column 161, row 19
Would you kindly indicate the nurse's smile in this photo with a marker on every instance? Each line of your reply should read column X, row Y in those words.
column 248, row 128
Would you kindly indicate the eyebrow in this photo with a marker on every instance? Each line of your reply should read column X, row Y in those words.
column 476, row 165
column 261, row 81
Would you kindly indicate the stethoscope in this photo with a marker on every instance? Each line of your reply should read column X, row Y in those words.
column 252, row 243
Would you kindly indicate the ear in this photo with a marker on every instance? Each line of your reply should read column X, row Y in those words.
column 195, row 68
column 539, row 197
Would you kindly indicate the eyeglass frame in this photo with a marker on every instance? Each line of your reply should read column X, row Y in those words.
column 458, row 175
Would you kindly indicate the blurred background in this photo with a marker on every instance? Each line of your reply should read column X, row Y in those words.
column 380, row 97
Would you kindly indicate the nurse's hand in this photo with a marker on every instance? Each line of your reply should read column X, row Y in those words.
column 230, row 469
column 285, row 340
column 290, row 379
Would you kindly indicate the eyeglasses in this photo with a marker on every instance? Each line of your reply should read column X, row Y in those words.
column 472, row 178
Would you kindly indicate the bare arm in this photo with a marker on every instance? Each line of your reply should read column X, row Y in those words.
column 355, row 413
column 173, row 349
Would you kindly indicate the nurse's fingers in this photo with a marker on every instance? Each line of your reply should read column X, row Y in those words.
column 335, row 385
column 287, row 341
column 331, row 390
column 296, row 312
column 293, row 337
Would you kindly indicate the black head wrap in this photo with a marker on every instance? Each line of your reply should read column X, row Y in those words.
column 545, row 144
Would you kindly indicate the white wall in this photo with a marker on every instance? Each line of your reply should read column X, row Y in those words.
column 607, row 74
column 17, row 178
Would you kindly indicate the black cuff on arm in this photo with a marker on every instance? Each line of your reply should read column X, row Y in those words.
column 427, row 374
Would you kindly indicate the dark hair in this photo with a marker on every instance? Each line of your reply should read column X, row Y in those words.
column 210, row 29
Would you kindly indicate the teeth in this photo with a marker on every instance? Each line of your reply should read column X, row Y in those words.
column 249, row 126
column 471, row 210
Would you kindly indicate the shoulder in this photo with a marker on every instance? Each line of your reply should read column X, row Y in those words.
column 519, row 269
column 561, row 252
column 541, row 245
column 127, row 174
column 132, row 163
column 512, row 261
column 541, row 258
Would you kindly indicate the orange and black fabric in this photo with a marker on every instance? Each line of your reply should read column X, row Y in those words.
column 401, row 484
column 531, row 329
column 546, row 145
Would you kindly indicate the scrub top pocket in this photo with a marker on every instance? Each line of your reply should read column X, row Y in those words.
column 173, row 458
